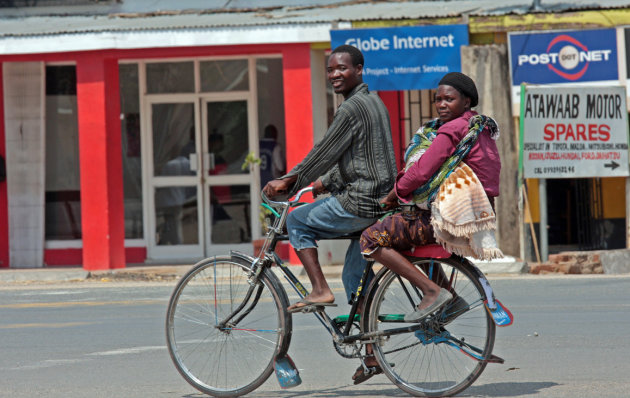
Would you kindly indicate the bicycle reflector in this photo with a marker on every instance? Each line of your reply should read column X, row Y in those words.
column 286, row 372
column 501, row 315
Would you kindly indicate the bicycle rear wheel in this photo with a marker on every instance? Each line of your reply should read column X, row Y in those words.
column 451, row 349
column 237, row 358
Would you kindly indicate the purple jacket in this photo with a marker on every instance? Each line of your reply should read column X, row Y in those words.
column 483, row 159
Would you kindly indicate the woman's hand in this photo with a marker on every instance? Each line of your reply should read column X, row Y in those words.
column 390, row 201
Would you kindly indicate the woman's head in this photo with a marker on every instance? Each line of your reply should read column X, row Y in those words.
column 455, row 95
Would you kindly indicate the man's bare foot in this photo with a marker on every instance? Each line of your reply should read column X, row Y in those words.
column 326, row 298
column 359, row 375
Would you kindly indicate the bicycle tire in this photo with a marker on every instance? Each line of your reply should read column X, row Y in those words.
column 230, row 361
column 431, row 362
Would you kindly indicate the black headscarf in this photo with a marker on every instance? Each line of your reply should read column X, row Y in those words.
column 463, row 84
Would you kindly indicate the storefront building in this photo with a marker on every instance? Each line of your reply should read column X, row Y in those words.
column 137, row 153
column 126, row 136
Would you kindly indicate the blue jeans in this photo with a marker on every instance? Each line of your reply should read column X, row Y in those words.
column 327, row 219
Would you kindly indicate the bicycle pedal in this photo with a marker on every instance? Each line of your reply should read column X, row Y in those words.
column 309, row 309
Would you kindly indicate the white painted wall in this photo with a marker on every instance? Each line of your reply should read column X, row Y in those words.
column 24, row 121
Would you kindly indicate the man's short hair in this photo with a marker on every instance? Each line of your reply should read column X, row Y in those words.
column 355, row 53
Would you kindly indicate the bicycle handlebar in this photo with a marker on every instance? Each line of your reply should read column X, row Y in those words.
column 295, row 200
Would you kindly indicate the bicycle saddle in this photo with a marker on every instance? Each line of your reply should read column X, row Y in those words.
column 433, row 251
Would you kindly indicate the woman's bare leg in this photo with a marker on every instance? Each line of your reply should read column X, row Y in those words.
column 396, row 262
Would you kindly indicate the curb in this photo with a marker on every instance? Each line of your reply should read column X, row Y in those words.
column 505, row 265
column 42, row 275
column 163, row 273
column 77, row 274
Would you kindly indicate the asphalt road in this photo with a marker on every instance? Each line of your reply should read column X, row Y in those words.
column 93, row 339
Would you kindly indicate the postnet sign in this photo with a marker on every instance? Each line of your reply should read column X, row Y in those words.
column 563, row 57
column 588, row 57
column 406, row 58
column 574, row 132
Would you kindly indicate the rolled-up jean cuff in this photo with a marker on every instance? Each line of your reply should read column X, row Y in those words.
column 304, row 248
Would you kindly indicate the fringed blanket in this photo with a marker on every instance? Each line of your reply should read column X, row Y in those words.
column 462, row 217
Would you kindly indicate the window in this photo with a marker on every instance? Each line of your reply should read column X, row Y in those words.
column 131, row 159
column 230, row 75
column 170, row 77
column 63, row 194
column 272, row 144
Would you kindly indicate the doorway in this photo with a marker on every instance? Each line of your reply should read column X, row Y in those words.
column 200, row 197
column 200, row 120
column 575, row 209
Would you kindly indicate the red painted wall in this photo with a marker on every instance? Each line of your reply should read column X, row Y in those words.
column 4, row 203
column 74, row 257
column 148, row 53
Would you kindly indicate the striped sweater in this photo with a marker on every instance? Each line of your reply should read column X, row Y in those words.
column 355, row 159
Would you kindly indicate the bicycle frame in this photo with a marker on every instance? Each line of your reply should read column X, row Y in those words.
column 267, row 257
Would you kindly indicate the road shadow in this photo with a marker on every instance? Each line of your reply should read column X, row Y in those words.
column 344, row 391
column 506, row 389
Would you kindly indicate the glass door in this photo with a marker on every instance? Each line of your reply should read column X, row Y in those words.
column 175, row 197
column 200, row 195
column 227, row 184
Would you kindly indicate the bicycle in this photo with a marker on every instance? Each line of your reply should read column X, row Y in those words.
column 227, row 321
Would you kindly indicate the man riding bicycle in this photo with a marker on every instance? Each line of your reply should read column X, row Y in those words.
column 355, row 163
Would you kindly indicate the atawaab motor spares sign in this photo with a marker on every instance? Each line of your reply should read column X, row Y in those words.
column 574, row 132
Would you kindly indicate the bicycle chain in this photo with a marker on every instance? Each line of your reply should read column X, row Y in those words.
column 349, row 350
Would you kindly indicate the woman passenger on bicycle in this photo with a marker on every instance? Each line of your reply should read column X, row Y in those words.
column 384, row 240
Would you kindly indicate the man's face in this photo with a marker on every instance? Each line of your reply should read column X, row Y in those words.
column 342, row 74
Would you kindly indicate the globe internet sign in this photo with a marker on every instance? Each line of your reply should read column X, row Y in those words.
column 400, row 43
column 406, row 58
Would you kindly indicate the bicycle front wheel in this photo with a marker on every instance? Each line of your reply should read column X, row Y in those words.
column 233, row 358
column 451, row 349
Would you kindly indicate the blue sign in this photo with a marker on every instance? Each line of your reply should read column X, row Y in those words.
column 563, row 57
column 406, row 58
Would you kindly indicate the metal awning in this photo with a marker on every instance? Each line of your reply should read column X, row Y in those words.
column 271, row 22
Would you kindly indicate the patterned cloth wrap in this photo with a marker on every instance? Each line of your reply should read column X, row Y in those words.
column 462, row 218
column 423, row 138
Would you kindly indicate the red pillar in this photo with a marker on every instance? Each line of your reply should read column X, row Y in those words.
column 4, row 200
column 298, row 102
column 298, row 106
column 392, row 103
column 100, row 158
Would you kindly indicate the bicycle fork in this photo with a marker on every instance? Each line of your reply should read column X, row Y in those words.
column 255, row 289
